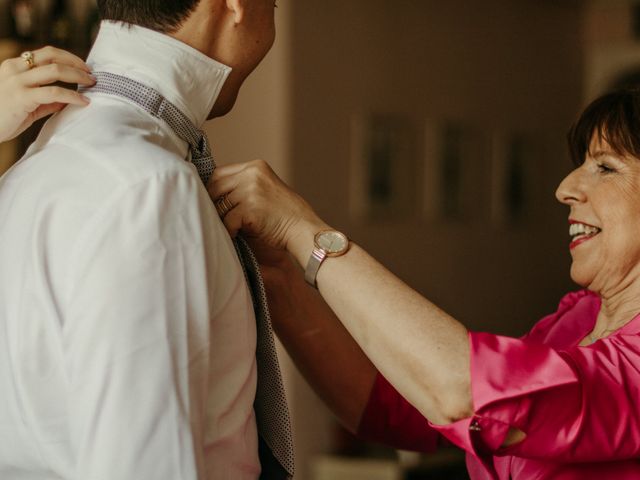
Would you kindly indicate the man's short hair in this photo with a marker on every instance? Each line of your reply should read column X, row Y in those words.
column 164, row 16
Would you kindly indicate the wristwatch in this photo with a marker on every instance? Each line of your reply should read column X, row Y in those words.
column 327, row 243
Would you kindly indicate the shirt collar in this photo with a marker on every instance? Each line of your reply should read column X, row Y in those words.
column 183, row 75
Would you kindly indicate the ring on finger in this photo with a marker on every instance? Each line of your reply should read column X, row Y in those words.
column 223, row 205
column 29, row 59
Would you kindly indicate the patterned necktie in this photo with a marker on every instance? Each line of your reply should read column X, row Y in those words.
column 272, row 412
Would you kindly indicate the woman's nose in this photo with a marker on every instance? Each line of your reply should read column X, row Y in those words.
column 571, row 189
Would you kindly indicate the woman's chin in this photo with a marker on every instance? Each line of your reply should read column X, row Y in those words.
column 580, row 277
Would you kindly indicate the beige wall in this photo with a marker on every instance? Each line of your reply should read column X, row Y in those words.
column 259, row 124
column 611, row 51
column 494, row 66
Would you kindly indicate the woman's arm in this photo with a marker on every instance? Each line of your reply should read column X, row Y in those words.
column 324, row 352
column 334, row 365
column 421, row 350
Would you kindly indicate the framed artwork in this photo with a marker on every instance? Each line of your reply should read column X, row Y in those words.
column 383, row 177
column 452, row 173
column 513, row 157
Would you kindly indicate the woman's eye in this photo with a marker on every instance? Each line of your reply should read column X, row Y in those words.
column 604, row 168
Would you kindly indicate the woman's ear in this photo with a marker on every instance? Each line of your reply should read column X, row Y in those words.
column 238, row 9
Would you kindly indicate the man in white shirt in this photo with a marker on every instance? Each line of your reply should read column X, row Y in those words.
column 127, row 332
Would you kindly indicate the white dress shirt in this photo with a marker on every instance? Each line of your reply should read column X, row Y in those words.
column 127, row 333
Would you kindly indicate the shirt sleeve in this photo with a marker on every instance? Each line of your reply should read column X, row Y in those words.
column 388, row 418
column 136, row 334
column 574, row 405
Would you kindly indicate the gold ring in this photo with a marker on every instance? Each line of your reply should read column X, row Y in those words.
column 223, row 205
column 29, row 59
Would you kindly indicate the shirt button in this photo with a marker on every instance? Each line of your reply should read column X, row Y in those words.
column 475, row 426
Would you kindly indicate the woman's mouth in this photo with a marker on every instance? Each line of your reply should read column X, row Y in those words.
column 581, row 232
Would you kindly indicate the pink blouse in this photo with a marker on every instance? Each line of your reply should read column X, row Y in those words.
column 579, row 406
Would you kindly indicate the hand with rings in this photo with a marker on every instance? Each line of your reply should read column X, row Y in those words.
column 26, row 90
column 251, row 199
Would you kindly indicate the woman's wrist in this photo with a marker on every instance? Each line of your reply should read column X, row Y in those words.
column 300, row 243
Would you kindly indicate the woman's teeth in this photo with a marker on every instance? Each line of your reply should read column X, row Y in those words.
column 578, row 230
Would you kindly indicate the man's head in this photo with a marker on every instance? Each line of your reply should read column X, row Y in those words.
column 237, row 33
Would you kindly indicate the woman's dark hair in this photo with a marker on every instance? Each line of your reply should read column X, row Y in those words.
column 614, row 118
column 164, row 16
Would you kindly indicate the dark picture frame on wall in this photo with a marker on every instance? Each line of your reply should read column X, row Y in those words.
column 382, row 174
column 453, row 173
column 513, row 176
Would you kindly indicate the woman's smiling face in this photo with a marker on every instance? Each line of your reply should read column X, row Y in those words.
column 604, row 196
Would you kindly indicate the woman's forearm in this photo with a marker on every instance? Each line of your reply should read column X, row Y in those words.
column 328, row 357
column 421, row 350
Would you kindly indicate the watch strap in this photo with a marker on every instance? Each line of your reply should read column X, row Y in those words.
column 313, row 265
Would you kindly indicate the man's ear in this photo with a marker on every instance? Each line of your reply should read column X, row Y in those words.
column 238, row 8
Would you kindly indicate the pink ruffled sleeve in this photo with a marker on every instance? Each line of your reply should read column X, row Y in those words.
column 390, row 419
column 574, row 405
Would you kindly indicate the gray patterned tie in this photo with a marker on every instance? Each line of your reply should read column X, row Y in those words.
column 272, row 412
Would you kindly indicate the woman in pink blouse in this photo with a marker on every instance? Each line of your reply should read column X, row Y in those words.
column 563, row 402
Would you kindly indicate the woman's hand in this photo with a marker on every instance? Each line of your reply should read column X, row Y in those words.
column 26, row 91
column 262, row 205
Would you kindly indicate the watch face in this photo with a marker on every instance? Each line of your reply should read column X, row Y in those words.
column 332, row 242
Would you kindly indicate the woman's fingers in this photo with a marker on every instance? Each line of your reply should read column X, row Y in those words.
column 233, row 221
column 263, row 206
column 42, row 57
column 56, row 73
column 227, row 206
column 47, row 55
column 12, row 66
column 231, row 169
column 231, row 182
column 46, row 95
column 46, row 110
column 221, row 185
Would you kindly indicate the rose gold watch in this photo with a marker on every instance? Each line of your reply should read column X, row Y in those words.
column 327, row 243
